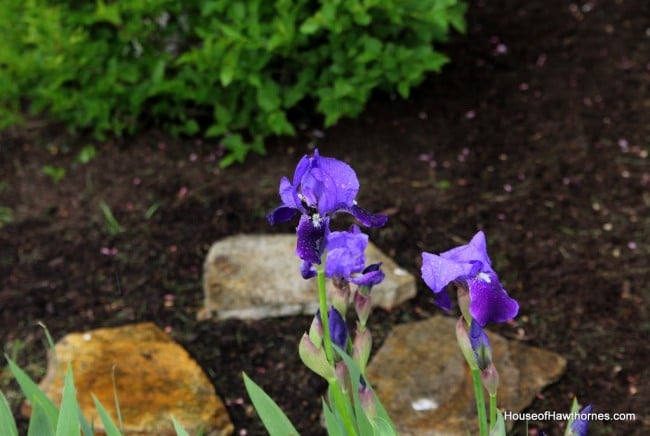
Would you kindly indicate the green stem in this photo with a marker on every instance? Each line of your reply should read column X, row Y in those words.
column 493, row 410
column 322, row 304
column 335, row 387
column 480, row 402
column 341, row 406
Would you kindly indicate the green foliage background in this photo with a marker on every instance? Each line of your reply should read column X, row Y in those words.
column 221, row 68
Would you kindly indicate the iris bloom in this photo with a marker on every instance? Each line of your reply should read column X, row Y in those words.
column 579, row 426
column 321, row 186
column 469, row 266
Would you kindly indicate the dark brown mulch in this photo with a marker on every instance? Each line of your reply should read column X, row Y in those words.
column 538, row 133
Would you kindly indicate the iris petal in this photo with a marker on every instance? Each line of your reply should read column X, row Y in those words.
column 311, row 239
column 489, row 302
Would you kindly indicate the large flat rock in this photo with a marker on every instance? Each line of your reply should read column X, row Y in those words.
column 155, row 379
column 258, row 276
column 423, row 381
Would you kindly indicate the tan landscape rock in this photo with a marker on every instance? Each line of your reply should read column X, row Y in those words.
column 423, row 381
column 258, row 276
column 154, row 376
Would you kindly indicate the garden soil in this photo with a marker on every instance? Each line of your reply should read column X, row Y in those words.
column 537, row 132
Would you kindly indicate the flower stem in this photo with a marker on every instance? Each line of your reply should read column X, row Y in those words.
column 344, row 412
column 493, row 410
column 480, row 402
column 334, row 386
column 322, row 304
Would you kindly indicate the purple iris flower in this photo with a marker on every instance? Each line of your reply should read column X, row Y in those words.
column 338, row 328
column 579, row 426
column 321, row 187
column 469, row 265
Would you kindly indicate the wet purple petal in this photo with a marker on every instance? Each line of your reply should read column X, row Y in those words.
column 281, row 215
column 366, row 218
column 307, row 270
column 489, row 302
column 438, row 272
column 372, row 275
column 345, row 253
column 311, row 236
column 474, row 252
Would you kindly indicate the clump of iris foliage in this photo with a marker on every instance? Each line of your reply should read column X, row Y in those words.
column 218, row 68
column 322, row 187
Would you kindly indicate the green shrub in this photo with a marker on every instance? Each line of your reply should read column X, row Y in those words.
column 222, row 68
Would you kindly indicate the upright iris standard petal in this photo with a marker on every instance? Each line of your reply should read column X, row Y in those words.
column 474, row 253
column 329, row 185
column 338, row 328
column 438, row 272
column 345, row 253
column 469, row 265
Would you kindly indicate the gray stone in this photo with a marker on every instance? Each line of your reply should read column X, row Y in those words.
column 258, row 276
column 423, row 381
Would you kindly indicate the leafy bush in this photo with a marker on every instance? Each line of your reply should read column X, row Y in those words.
column 223, row 68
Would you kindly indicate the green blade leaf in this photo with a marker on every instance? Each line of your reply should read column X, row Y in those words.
column 180, row 431
column 68, row 423
column 39, row 423
column 499, row 427
column 109, row 425
column 7, row 422
column 332, row 424
column 33, row 393
column 274, row 419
